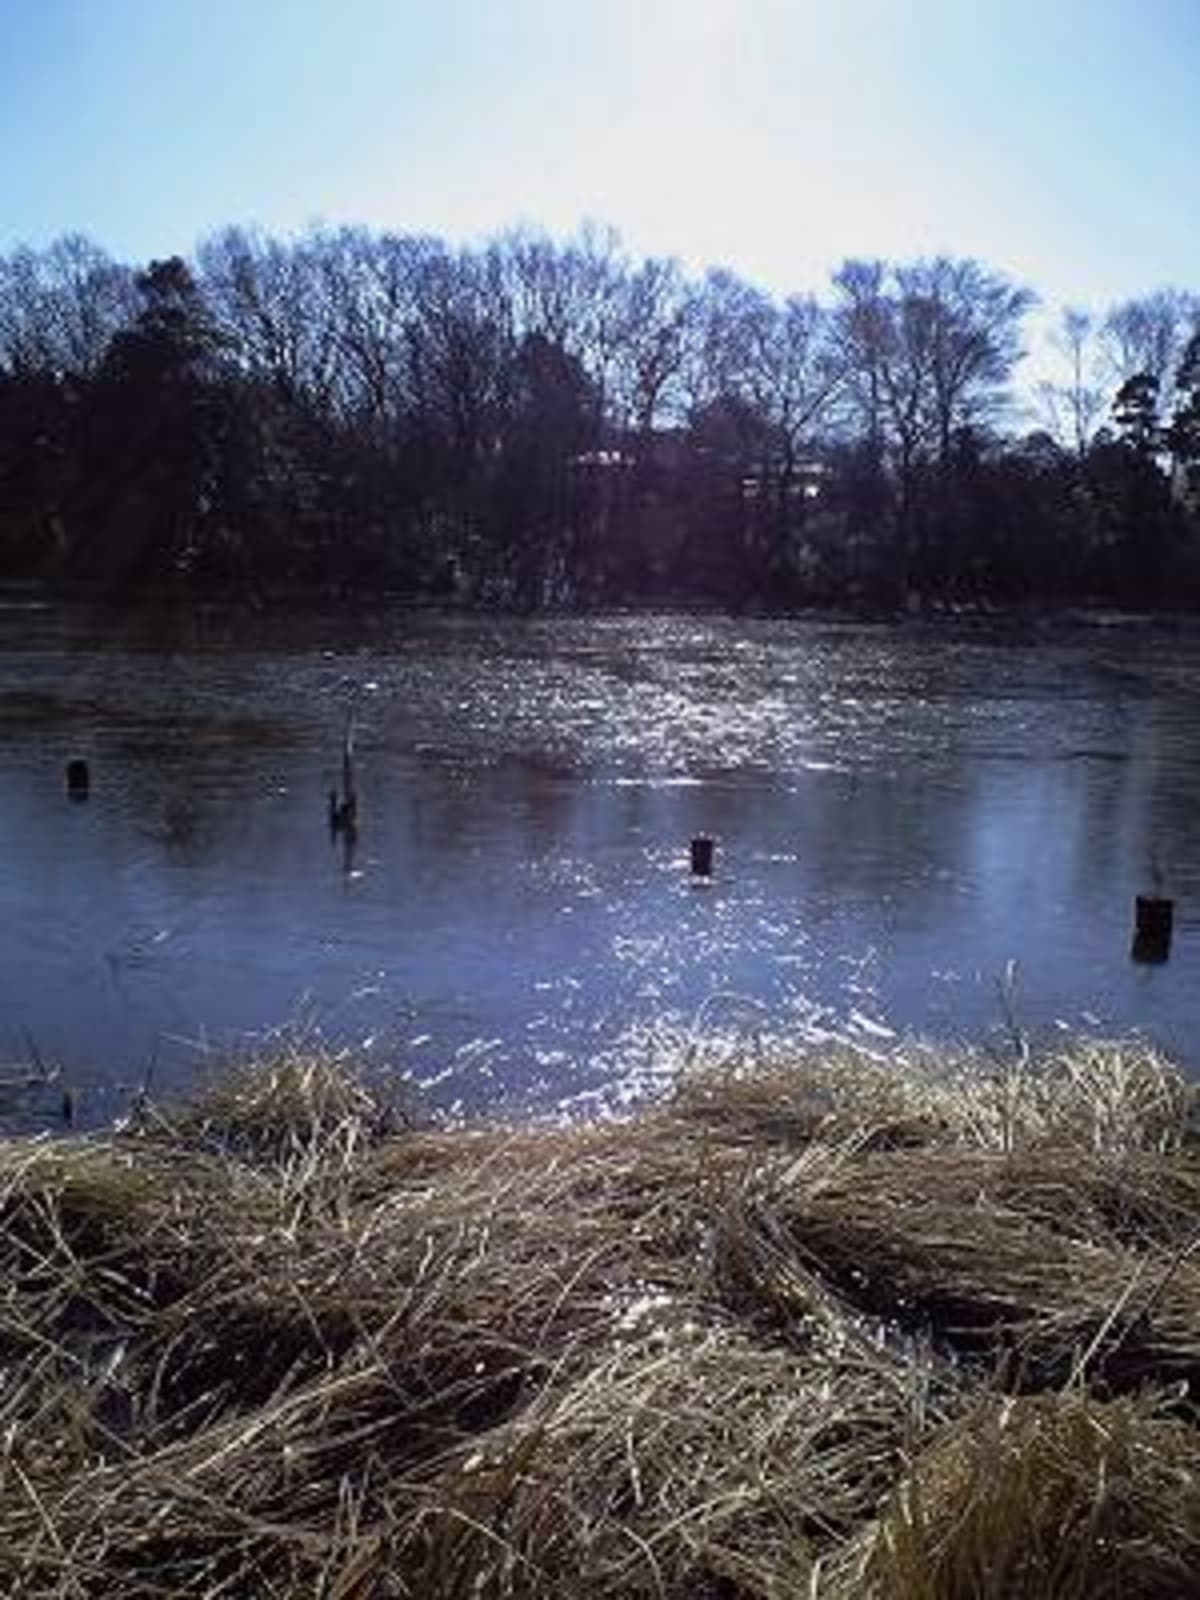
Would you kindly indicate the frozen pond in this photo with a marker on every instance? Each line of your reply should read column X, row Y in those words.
column 899, row 813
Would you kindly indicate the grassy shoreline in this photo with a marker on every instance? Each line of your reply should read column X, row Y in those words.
column 830, row 1330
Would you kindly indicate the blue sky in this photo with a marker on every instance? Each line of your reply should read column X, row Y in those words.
column 1056, row 140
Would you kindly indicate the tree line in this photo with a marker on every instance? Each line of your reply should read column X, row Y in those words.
column 538, row 422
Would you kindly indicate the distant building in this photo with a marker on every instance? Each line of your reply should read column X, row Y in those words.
column 807, row 482
column 601, row 461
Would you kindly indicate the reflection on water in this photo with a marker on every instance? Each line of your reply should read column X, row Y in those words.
column 899, row 814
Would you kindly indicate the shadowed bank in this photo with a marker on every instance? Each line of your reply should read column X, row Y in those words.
column 841, row 1329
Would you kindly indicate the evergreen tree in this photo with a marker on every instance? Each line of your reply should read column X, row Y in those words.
column 1135, row 414
column 1183, row 436
column 150, row 437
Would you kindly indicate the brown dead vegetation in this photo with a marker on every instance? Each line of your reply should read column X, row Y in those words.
column 840, row 1329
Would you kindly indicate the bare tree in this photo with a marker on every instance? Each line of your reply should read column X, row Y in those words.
column 373, row 285
column 655, row 319
column 928, row 348
column 598, row 269
column 458, row 348
column 574, row 295
column 885, row 340
column 975, row 318
column 1148, row 335
column 793, row 374
column 1074, row 406
column 269, row 298
column 541, row 289
column 725, row 311
column 60, row 307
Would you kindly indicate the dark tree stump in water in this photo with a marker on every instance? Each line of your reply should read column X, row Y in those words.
column 1153, row 926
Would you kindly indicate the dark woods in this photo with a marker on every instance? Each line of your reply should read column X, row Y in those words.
column 538, row 423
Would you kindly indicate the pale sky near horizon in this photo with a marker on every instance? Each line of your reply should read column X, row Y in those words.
column 1057, row 141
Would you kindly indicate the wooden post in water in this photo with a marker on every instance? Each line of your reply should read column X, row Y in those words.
column 702, row 856
column 1154, row 921
column 78, row 779
column 343, row 811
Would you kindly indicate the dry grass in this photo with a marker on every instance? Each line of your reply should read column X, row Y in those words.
column 1047, row 1499
column 928, row 1329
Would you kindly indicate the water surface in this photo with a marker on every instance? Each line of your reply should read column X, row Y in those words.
column 900, row 814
